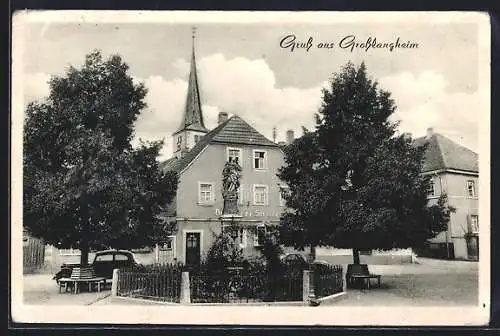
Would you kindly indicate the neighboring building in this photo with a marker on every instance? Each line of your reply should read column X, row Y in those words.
column 199, row 156
column 454, row 171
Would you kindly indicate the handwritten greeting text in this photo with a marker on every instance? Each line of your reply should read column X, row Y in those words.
column 349, row 42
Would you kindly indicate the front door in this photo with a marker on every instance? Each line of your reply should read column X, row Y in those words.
column 473, row 247
column 192, row 248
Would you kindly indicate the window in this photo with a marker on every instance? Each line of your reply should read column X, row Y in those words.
column 206, row 192
column 104, row 257
column 471, row 189
column 121, row 257
column 234, row 154
column 365, row 252
column 192, row 241
column 242, row 237
column 259, row 159
column 432, row 188
column 259, row 235
column 179, row 142
column 169, row 244
column 259, row 194
column 283, row 190
column 196, row 138
column 474, row 224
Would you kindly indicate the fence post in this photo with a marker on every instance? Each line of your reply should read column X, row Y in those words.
column 344, row 278
column 306, row 285
column 185, row 288
column 114, row 284
column 157, row 254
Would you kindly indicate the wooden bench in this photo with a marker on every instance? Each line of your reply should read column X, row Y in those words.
column 360, row 272
column 81, row 275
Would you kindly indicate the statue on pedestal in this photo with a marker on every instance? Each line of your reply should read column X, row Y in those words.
column 231, row 175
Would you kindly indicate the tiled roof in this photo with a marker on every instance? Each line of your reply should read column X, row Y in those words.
column 232, row 131
column 238, row 131
column 443, row 153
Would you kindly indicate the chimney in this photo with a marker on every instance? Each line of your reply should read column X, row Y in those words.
column 222, row 117
column 430, row 132
column 289, row 137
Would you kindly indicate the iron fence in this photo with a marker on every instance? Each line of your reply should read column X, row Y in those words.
column 161, row 283
column 224, row 288
column 289, row 287
column 244, row 288
column 328, row 280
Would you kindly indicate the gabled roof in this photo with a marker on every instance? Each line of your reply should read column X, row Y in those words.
column 443, row 153
column 233, row 131
column 193, row 117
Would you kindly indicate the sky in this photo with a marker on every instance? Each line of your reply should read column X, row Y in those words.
column 242, row 69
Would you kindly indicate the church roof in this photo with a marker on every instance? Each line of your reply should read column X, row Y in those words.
column 193, row 117
column 233, row 131
column 443, row 153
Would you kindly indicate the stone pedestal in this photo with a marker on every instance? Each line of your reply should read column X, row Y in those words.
column 185, row 289
column 305, row 285
column 114, row 283
column 230, row 205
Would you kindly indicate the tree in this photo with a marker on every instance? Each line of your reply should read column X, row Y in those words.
column 354, row 183
column 84, row 184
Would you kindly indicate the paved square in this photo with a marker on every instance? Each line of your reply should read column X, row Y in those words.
column 429, row 283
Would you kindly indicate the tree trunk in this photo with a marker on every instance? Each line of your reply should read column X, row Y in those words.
column 84, row 250
column 84, row 242
column 355, row 256
column 312, row 254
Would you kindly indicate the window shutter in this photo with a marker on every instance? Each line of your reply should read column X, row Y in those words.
column 469, row 228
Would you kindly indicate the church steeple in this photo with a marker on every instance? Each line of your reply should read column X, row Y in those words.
column 193, row 116
column 192, row 126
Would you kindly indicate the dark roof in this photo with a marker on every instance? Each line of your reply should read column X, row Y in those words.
column 232, row 131
column 238, row 131
column 193, row 117
column 443, row 153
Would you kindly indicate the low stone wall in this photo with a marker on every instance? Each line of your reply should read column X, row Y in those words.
column 378, row 257
column 185, row 292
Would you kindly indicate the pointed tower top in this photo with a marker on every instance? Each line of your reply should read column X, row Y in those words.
column 193, row 116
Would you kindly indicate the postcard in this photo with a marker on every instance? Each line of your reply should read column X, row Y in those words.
column 250, row 168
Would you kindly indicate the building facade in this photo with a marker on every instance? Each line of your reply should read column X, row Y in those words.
column 453, row 170
column 198, row 158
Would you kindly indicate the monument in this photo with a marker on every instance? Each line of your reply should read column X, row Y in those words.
column 231, row 175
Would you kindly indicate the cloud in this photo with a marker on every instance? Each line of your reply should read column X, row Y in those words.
column 237, row 86
column 35, row 86
column 248, row 88
column 423, row 101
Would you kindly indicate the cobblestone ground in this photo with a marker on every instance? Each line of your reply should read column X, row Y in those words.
column 40, row 289
column 430, row 283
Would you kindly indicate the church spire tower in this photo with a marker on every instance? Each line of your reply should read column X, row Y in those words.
column 192, row 126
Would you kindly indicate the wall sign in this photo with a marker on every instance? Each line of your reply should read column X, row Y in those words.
column 255, row 213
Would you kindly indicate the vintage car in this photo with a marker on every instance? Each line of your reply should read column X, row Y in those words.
column 103, row 264
column 299, row 261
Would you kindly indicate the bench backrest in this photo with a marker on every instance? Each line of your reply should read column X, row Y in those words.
column 357, row 269
column 82, row 273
